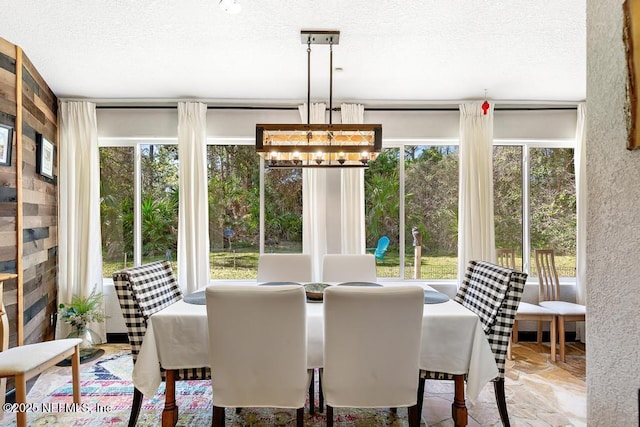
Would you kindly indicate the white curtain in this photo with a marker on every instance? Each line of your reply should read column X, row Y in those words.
column 314, row 193
column 580, row 157
column 352, row 193
column 193, row 218
column 79, row 237
column 476, row 238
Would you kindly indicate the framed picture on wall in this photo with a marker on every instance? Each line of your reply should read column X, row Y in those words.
column 6, row 141
column 44, row 156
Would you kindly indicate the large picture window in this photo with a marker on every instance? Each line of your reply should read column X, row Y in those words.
column 553, row 206
column 234, row 211
column 116, row 208
column 508, row 198
column 382, row 210
column 431, row 207
column 409, row 187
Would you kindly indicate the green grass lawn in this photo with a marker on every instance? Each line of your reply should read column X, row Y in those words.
column 242, row 263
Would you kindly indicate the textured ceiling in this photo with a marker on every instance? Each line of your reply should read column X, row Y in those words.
column 390, row 51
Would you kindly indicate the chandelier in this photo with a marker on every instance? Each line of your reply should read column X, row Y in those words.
column 318, row 145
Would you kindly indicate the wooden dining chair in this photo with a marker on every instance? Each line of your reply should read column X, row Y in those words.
column 143, row 291
column 507, row 258
column 24, row 362
column 492, row 292
column 549, row 296
column 372, row 348
column 258, row 347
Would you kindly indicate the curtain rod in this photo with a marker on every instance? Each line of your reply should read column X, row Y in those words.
column 248, row 107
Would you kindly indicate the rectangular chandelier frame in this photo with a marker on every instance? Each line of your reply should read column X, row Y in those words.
column 318, row 145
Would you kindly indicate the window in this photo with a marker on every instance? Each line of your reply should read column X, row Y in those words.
column 431, row 207
column 553, row 206
column 234, row 211
column 116, row 208
column 159, row 203
column 283, row 210
column 507, row 198
column 382, row 209
column 410, row 186
column 532, row 210
column 139, row 203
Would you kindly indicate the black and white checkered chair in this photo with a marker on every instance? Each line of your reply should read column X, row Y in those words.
column 142, row 291
column 493, row 293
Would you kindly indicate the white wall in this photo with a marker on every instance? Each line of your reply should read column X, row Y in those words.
column 396, row 125
column 613, row 233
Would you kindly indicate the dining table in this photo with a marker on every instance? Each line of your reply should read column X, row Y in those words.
column 453, row 342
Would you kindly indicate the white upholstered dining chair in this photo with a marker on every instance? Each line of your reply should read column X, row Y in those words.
column 372, row 348
column 549, row 296
column 284, row 268
column 24, row 362
column 258, row 347
column 348, row 268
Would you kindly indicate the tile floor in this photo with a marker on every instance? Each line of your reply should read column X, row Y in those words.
column 539, row 393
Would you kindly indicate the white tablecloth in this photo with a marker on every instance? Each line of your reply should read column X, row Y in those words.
column 452, row 341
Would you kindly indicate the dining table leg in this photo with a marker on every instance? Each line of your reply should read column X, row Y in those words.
column 170, row 412
column 459, row 408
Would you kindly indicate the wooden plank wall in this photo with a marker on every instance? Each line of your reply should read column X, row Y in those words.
column 35, row 222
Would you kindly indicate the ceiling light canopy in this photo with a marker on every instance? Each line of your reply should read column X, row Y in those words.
column 318, row 145
column 230, row 6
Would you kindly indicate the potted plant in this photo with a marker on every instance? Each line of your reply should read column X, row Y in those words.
column 79, row 313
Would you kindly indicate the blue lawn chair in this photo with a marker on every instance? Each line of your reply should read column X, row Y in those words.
column 383, row 244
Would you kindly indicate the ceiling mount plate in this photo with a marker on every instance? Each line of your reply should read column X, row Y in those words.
column 320, row 36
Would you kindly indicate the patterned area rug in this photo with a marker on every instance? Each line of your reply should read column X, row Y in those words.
column 107, row 395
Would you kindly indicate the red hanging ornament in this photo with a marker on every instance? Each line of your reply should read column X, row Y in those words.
column 485, row 107
column 485, row 104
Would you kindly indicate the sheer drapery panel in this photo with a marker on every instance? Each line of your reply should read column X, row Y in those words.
column 476, row 236
column 193, row 217
column 79, row 207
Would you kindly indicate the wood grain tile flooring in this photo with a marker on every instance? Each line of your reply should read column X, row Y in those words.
column 539, row 393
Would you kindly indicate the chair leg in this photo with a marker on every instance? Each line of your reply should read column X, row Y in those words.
column 458, row 407
column 3, row 389
column 539, row 336
column 218, row 416
column 514, row 331
column 420, row 399
column 561, row 332
column 75, row 374
column 414, row 416
column 320, row 392
column 170, row 411
column 312, row 397
column 498, row 387
column 553, row 334
column 300, row 417
column 21, row 397
column 135, row 407
column 329, row 416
